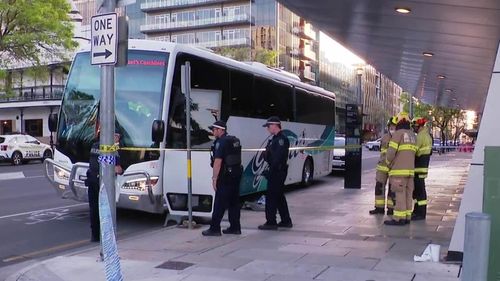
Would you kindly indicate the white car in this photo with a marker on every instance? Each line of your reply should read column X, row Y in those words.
column 338, row 162
column 19, row 149
column 373, row 145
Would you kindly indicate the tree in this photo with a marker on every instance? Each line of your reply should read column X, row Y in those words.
column 442, row 116
column 239, row 54
column 32, row 29
column 420, row 109
column 267, row 57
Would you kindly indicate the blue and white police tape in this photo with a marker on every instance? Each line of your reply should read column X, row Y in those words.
column 107, row 159
column 108, row 240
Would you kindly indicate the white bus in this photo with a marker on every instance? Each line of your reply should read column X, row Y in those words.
column 149, row 89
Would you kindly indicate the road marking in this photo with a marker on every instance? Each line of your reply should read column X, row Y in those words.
column 44, row 210
column 11, row 176
column 48, row 250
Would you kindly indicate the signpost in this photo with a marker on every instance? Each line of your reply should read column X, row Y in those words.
column 104, row 40
column 354, row 119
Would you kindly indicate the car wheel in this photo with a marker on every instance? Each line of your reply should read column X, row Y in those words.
column 47, row 154
column 307, row 172
column 17, row 158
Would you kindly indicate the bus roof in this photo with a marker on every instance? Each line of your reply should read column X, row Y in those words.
column 256, row 68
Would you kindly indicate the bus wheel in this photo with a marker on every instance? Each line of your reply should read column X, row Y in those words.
column 17, row 158
column 307, row 172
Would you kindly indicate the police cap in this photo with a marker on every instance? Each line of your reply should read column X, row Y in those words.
column 219, row 125
column 273, row 120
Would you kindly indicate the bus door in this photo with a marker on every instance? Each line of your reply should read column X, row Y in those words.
column 205, row 110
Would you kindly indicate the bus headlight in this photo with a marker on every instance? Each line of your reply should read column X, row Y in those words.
column 139, row 184
column 61, row 173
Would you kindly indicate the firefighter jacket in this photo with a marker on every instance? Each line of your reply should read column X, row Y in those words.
column 423, row 153
column 400, row 157
column 384, row 144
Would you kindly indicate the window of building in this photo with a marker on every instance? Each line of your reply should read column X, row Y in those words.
column 34, row 127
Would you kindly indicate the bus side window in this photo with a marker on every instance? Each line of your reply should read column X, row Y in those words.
column 242, row 101
column 273, row 98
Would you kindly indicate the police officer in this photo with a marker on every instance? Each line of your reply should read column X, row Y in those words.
column 226, row 176
column 92, row 183
column 400, row 159
column 276, row 156
column 422, row 159
column 382, row 174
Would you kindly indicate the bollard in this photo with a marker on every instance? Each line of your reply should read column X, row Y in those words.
column 476, row 247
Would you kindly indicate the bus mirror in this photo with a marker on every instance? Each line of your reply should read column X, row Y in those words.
column 53, row 122
column 158, row 131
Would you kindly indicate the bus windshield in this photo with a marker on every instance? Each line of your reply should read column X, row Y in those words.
column 139, row 91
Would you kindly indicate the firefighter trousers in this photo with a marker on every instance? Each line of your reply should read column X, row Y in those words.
column 380, row 192
column 403, row 189
column 420, row 196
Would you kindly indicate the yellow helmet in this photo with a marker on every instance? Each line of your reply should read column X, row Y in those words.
column 403, row 116
column 393, row 120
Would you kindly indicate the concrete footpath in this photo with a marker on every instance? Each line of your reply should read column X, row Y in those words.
column 333, row 238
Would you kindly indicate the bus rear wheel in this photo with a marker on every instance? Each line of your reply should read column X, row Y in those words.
column 307, row 172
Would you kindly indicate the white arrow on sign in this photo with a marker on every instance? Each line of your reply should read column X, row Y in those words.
column 104, row 39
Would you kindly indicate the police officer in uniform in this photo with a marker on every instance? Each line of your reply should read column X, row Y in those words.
column 226, row 176
column 92, row 183
column 276, row 156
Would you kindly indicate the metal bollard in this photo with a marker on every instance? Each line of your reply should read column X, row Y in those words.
column 476, row 247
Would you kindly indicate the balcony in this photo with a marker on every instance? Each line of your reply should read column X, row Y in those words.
column 305, row 31
column 153, row 5
column 225, row 43
column 307, row 75
column 304, row 53
column 39, row 93
column 199, row 23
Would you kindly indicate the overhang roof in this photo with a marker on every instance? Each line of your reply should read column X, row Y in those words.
column 463, row 35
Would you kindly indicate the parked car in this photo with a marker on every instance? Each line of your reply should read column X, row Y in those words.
column 373, row 145
column 436, row 145
column 19, row 149
column 338, row 162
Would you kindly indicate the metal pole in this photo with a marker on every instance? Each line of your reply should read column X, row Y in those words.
column 411, row 106
column 476, row 247
column 107, row 121
column 186, row 70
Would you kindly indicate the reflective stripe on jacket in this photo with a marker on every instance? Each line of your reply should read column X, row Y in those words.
column 423, row 155
column 384, row 143
column 400, row 157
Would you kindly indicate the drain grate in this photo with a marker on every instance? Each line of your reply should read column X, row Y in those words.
column 175, row 265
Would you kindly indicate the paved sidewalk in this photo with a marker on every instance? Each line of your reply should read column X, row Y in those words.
column 333, row 238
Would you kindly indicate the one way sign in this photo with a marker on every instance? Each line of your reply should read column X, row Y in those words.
column 104, row 39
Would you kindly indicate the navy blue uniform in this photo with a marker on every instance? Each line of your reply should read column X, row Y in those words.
column 276, row 156
column 227, row 195
column 92, row 182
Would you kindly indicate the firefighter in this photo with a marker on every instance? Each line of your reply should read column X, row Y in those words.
column 422, row 159
column 227, row 170
column 400, row 159
column 382, row 174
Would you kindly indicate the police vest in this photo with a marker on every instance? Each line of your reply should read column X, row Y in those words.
column 232, row 159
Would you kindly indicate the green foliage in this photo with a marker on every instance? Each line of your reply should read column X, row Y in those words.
column 29, row 27
column 267, row 57
column 239, row 54
column 420, row 109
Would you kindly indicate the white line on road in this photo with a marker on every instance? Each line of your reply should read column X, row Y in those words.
column 11, row 176
column 27, row 213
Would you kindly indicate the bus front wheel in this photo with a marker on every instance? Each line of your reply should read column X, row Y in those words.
column 307, row 172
